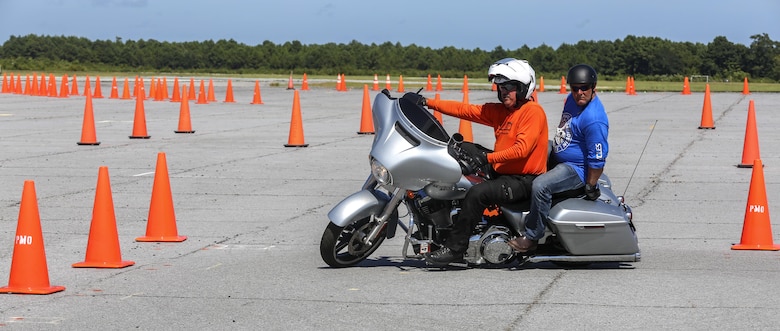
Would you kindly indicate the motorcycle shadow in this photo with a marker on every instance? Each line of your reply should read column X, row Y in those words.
column 575, row 266
column 409, row 264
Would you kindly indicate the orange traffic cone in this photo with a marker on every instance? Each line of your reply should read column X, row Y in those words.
column 27, row 86
column 5, row 84
column 686, row 86
column 541, row 84
column 191, row 94
column 114, row 90
column 757, row 229
column 343, row 82
column 750, row 149
column 464, row 127
column 74, row 90
column 366, row 121
column 52, row 86
column 64, row 87
column 437, row 114
column 185, row 126
column 376, row 83
column 29, row 273
column 161, row 225
column 88, row 136
column 633, row 87
column 126, row 89
column 164, row 88
column 628, row 85
column 387, row 83
column 706, row 111
column 429, row 84
column 98, row 94
column 139, row 121
column 44, row 89
column 438, row 83
column 401, row 83
column 563, row 86
column 745, row 89
column 296, row 125
column 290, row 83
column 210, row 97
column 176, row 93
column 202, row 95
column 229, row 92
column 257, row 99
column 305, row 83
column 465, row 88
column 103, row 244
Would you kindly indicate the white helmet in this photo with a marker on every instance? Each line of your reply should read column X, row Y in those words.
column 514, row 70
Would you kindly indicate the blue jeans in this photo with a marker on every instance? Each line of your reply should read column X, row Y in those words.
column 559, row 179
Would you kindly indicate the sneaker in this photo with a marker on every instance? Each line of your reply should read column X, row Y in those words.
column 442, row 257
column 522, row 244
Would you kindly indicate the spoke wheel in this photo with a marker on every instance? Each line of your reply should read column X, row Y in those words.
column 345, row 246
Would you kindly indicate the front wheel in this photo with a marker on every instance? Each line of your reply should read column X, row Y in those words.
column 345, row 247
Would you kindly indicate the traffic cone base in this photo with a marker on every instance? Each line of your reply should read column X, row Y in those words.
column 103, row 245
column 29, row 273
column 161, row 225
column 757, row 228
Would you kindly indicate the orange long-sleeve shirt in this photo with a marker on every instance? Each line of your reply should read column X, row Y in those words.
column 521, row 135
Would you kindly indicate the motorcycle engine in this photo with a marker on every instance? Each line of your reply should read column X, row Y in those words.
column 491, row 246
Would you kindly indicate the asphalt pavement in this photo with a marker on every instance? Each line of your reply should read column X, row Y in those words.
column 253, row 212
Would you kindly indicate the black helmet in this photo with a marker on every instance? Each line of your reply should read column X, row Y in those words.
column 582, row 74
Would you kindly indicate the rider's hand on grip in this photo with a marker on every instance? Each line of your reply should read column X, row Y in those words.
column 592, row 192
column 478, row 156
column 415, row 98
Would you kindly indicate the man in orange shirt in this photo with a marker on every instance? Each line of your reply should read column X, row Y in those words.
column 520, row 151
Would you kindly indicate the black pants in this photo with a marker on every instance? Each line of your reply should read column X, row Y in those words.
column 504, row 189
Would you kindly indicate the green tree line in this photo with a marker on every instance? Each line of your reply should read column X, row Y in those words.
column 648, row 58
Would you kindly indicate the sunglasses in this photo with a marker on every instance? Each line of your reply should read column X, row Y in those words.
column 509, row 87
column 580, row 88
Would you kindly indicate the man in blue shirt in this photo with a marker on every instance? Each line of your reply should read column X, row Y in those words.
column 579, row 148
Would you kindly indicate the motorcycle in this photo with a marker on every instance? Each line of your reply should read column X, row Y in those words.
column 422, row 174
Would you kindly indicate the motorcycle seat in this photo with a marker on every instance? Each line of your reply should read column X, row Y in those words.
column 525, row 205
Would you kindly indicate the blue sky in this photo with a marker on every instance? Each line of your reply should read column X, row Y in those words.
column 434, row 23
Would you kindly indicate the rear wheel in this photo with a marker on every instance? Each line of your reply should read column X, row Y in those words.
column 345, row 246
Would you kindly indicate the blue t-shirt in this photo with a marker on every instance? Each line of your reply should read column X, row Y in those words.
column 581, row 138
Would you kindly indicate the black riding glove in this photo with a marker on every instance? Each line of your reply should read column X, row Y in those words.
column 415, row 98
column 478, row 156
column 592, row 192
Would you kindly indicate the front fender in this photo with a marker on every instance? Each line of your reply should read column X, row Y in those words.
column 358, row 205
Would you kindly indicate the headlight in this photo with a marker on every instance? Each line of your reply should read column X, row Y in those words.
column 380, row 172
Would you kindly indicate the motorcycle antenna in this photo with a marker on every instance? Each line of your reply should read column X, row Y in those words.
column 640, row 157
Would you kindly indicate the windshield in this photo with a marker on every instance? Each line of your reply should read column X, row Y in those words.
column 423, row 120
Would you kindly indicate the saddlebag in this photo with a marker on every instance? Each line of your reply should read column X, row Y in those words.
column 593, row 228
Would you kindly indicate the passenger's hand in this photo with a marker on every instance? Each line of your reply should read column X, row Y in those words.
column 592, row 192
column 415, row 98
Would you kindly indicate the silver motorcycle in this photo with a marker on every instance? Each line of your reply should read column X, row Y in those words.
column 419, row 177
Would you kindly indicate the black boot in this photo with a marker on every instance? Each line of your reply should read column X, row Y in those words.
column 442, row 257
